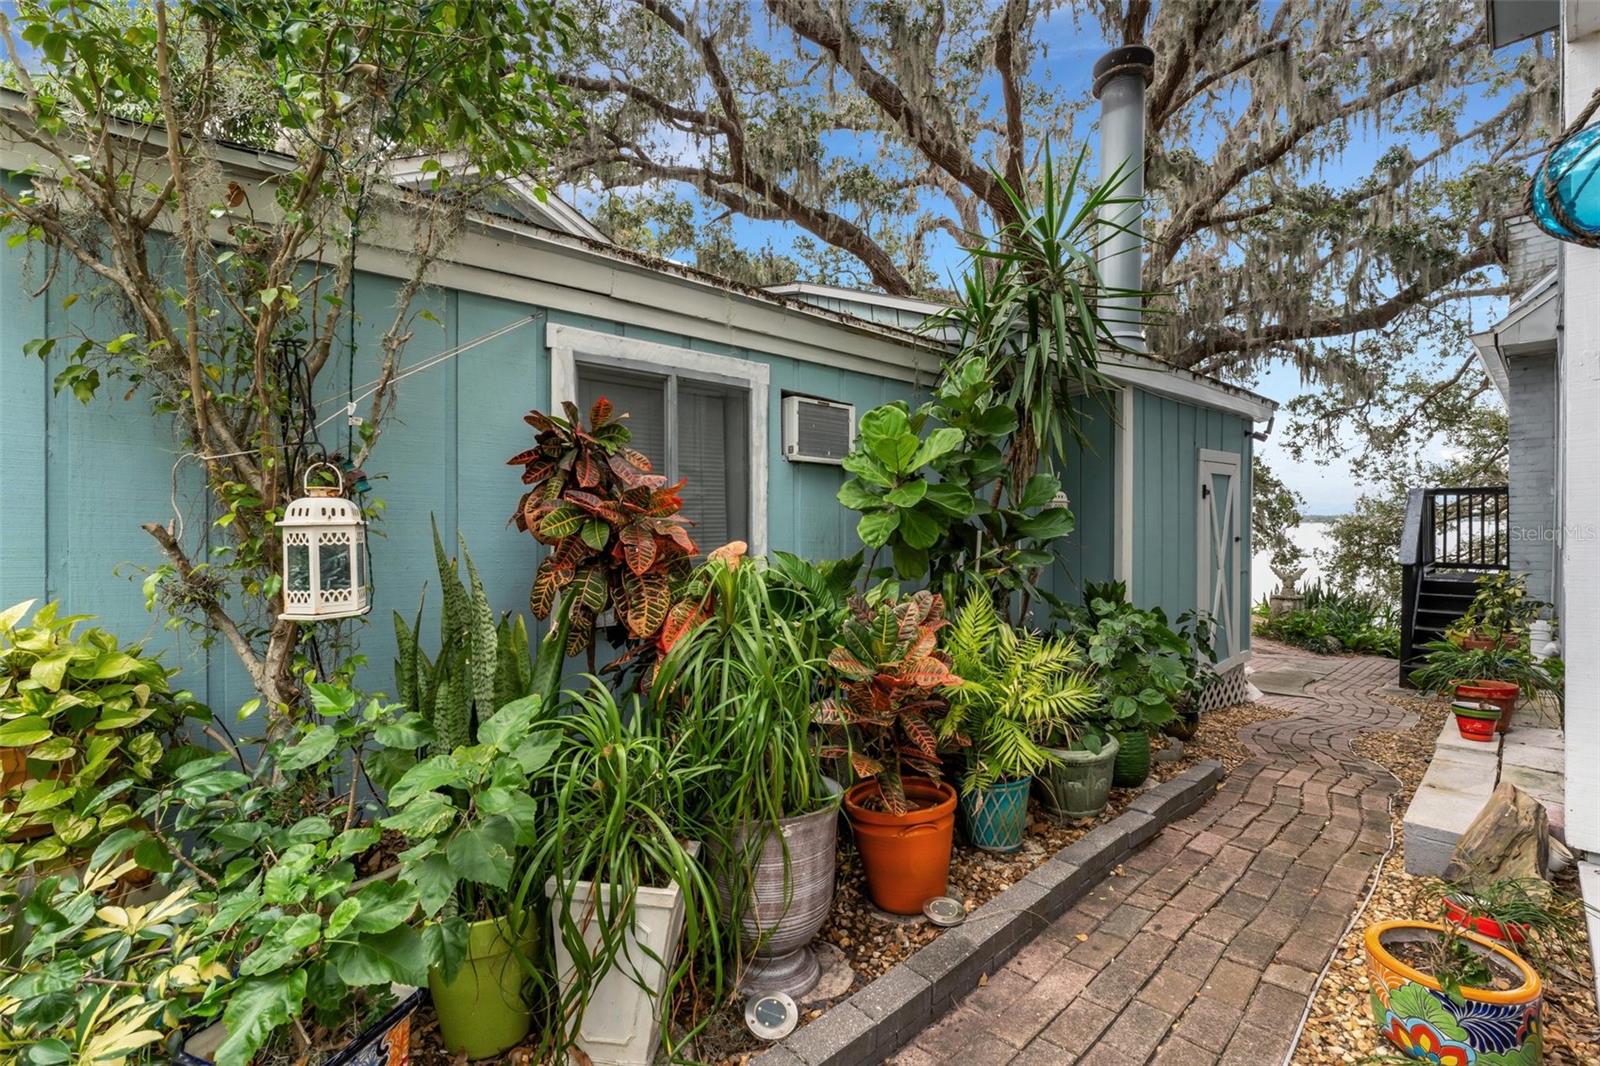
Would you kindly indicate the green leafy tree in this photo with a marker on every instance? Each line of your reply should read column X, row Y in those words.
column 231, row 291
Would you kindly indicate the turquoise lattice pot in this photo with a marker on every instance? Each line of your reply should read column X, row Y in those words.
column 1491, row 1027
column 997, row 816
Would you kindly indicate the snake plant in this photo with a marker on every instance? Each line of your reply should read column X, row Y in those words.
column 481, row 665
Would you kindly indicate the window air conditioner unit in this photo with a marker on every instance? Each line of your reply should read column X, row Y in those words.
column 817, row 431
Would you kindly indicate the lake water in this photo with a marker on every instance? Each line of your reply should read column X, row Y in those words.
column 1311, row 537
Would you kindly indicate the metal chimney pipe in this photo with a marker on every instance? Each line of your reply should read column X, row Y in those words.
column 1120, row 79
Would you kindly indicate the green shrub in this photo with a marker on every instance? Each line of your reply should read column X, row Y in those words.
column 1335, row 620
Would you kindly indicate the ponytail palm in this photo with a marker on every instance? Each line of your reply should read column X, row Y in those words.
column 1019, row 688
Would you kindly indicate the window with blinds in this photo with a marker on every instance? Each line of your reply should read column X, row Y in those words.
column 692, row 429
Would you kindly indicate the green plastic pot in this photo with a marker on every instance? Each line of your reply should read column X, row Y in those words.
column 484, row 1010
column 1132, row 764
column 1077, row 783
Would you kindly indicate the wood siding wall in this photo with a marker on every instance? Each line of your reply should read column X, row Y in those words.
column 1168, row 435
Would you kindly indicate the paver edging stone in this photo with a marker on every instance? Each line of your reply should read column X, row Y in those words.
column 877, row 1020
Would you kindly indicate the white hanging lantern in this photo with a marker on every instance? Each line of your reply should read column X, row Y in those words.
column 324, row 554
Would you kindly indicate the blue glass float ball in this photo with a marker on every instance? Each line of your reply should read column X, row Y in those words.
column 1571, row 176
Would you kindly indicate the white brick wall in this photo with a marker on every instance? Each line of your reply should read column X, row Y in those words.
column 1532, row 405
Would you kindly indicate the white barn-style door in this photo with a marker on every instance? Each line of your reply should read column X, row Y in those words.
column 1221, row 543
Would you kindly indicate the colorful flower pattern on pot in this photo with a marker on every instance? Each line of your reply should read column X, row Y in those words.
column 1426, row 1025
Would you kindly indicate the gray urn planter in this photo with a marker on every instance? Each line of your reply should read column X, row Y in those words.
column 1078, row 784
column 791, row 895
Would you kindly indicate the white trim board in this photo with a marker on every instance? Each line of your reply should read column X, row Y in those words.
column 1123, row 550
column 569, row 345
column 1154, row 376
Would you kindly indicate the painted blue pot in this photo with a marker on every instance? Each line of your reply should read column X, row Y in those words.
column 997, row 816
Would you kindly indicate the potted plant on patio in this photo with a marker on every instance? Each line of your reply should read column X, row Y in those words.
column 472, row 822
column 1499, row 614
column 1139, row 667
column 1442, row 994
column 1017, row 690
column 736, row 682
column 892, row 685
column 625, row 882
column 1476, row 721
column 1495, row 675
column 1077, row 783
column 1543, row 924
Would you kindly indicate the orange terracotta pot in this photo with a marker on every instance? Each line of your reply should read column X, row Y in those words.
column 906, row 856
column 1502, row 694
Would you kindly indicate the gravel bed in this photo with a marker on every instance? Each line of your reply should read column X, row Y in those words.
column 1339, row 1029
column 873, row 944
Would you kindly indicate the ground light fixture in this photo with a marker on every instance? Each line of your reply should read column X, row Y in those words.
column 324, row 553
column 771, row 1015
column 945, row 911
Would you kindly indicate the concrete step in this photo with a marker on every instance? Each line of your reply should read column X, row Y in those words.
column 1461, row 778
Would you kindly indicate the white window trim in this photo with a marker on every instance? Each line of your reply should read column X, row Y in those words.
column 1212, row 459
column 570, row 345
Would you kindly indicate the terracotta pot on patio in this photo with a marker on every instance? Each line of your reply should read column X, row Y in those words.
column 1501, row 694
column 1484, row 641
column 906, row 856
column 14, row 774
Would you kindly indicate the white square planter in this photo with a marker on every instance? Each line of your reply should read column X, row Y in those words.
column 621, row 1023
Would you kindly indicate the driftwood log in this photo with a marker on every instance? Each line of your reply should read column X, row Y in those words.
column 1509, row 840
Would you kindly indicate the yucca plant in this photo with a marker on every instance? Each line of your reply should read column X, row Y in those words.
column 892, row 691
column 1018, row 691
column 1032, row 305
column 482, row 663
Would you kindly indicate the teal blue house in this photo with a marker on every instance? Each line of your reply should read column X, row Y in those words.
column 532, row 307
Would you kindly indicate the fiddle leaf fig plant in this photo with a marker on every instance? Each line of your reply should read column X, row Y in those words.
column 892, row 683
column 934, row 486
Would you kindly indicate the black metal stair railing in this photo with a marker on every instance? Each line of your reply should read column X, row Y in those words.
column 1450, row 536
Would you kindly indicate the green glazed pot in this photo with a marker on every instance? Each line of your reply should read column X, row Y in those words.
column 484, row 1010
column 997, row 816
column 1132, row 764
column 1078, row 784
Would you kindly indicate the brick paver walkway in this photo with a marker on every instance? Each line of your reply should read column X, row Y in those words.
column 1208, row 946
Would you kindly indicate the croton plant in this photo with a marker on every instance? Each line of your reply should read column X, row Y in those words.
column 615, row 535
column 891, row 682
